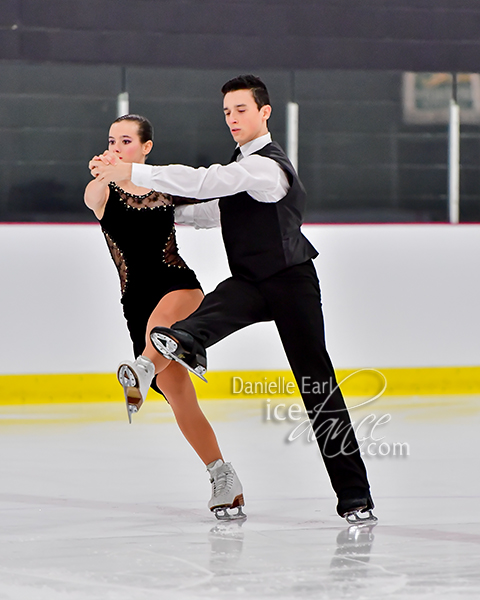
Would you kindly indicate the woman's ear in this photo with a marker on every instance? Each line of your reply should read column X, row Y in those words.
column 147, row 147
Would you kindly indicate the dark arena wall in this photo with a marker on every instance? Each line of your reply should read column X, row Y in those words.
column 361, row 158
column 415, row 35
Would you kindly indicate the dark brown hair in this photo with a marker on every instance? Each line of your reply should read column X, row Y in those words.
column 145, row 129
column 249, row 82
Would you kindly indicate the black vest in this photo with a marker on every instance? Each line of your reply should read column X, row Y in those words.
column 263, row 238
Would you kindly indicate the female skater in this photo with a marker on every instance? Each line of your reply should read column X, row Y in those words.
column 158, row 289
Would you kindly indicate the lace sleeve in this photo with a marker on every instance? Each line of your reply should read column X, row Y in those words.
column 151, row 199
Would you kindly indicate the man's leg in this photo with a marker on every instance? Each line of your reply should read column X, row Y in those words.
column 234, row 304
column 294, row 299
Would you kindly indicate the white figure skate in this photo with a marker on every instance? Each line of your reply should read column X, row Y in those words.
column 227, row 491
column 135, row 377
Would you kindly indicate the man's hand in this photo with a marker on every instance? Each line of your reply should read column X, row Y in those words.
column 107, row 167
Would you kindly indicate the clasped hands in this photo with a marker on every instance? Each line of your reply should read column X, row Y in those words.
column 109, row 168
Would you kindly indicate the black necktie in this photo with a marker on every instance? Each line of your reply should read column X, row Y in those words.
column 235, row 154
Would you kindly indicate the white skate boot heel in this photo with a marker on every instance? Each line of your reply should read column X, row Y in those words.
column 227, row 492
column 135, row 377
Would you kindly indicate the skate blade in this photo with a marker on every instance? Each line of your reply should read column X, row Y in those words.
column 166, row 346
column 129, row 382
column 223, row 514
column 131, row 409
column 355, row 518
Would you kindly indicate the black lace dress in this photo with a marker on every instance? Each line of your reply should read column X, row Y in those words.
column 140, row 234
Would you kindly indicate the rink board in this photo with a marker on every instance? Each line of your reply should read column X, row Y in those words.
column 247, row 385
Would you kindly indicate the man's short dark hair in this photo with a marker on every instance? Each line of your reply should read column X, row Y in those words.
column 249, row 82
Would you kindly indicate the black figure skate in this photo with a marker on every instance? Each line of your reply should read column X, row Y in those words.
column 180, row 346
column 353, row 503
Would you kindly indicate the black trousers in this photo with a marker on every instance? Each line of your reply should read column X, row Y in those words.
column 291, row 298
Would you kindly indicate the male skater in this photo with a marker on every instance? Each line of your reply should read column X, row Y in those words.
column 273, row 277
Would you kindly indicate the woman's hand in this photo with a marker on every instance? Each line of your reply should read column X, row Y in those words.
column 107, row 158
column 97, row 191
column 107, row 167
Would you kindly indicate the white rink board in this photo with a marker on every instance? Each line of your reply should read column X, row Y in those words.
column 394, row 296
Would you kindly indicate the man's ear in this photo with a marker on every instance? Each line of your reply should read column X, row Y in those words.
column 266, row 111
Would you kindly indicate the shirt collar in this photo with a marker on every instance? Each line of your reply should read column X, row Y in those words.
column 255, row 145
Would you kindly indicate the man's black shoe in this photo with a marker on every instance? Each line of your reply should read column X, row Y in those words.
column 354, row 501
column 182, row 347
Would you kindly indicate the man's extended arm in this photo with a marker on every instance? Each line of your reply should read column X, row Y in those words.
column 261, row 177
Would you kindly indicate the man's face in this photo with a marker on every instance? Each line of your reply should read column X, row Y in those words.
column 245, row 121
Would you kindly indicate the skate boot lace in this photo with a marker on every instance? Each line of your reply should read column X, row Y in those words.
column 142, row 365
column 222, row 481
column 142, row 368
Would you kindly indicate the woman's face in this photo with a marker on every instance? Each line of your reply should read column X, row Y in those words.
column 124, row 142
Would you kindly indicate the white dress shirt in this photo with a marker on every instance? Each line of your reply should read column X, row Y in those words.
column 261, row 177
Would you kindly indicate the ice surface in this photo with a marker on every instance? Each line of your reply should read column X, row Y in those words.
column 93, row 508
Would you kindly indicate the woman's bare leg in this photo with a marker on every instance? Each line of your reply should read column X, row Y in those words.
column 174, row 380
column 173, row 307
column 177, row 386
